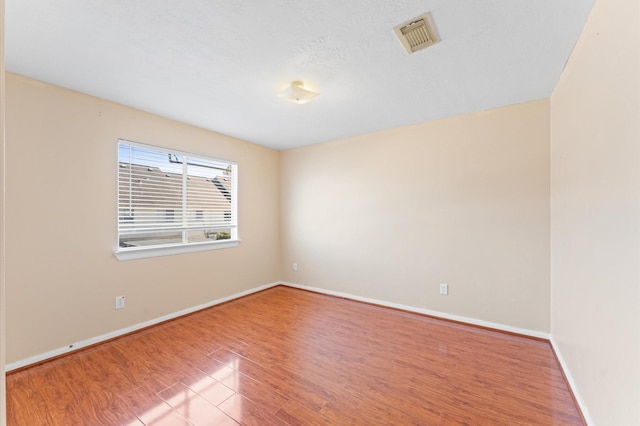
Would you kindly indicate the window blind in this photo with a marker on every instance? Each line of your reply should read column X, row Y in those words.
column 167, row 197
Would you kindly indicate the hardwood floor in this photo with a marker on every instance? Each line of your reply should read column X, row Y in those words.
column 290, row 357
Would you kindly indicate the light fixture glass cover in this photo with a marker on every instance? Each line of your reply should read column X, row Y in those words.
column 295, row 92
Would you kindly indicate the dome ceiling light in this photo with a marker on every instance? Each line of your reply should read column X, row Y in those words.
column 296, row 92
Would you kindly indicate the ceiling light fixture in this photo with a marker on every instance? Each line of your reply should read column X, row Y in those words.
column 296, row 92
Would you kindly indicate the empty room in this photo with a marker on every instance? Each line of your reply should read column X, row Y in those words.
column 320, row 213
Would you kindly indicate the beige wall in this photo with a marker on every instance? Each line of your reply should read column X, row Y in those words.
column 2, row 228
column 595, row 214
column 463, row 201
column 62, row 276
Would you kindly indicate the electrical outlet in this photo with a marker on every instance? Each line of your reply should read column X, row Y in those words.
column 444, row 289
column 295, row 267
column 119, row 302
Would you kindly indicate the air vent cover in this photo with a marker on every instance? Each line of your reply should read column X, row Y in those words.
column 416, row 34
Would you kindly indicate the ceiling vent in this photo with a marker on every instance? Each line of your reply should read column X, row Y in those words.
column 416, row 34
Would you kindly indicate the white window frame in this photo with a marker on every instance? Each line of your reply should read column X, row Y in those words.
column 129, row 253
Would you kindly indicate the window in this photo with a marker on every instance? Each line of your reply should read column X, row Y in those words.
column 182, row 202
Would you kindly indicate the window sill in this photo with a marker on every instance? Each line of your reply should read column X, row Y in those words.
column 144, row 252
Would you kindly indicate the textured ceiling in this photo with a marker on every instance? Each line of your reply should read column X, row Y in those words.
column 219, row 64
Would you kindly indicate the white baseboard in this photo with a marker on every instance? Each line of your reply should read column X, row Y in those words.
column 437, row 314
column 467, row 320
column 123, row 331
column 572, row 383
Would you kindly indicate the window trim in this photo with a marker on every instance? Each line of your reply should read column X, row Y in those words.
column 132, row 253
column 141, row 252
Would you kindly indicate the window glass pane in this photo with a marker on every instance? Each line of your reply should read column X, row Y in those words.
column 208, row 192
column 209, row 235
column 151, row 185
column 155, row 239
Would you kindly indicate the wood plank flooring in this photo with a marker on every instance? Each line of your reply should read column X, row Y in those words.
column 290, row 357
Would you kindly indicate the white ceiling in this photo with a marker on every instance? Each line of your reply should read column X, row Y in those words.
column 219, row 64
